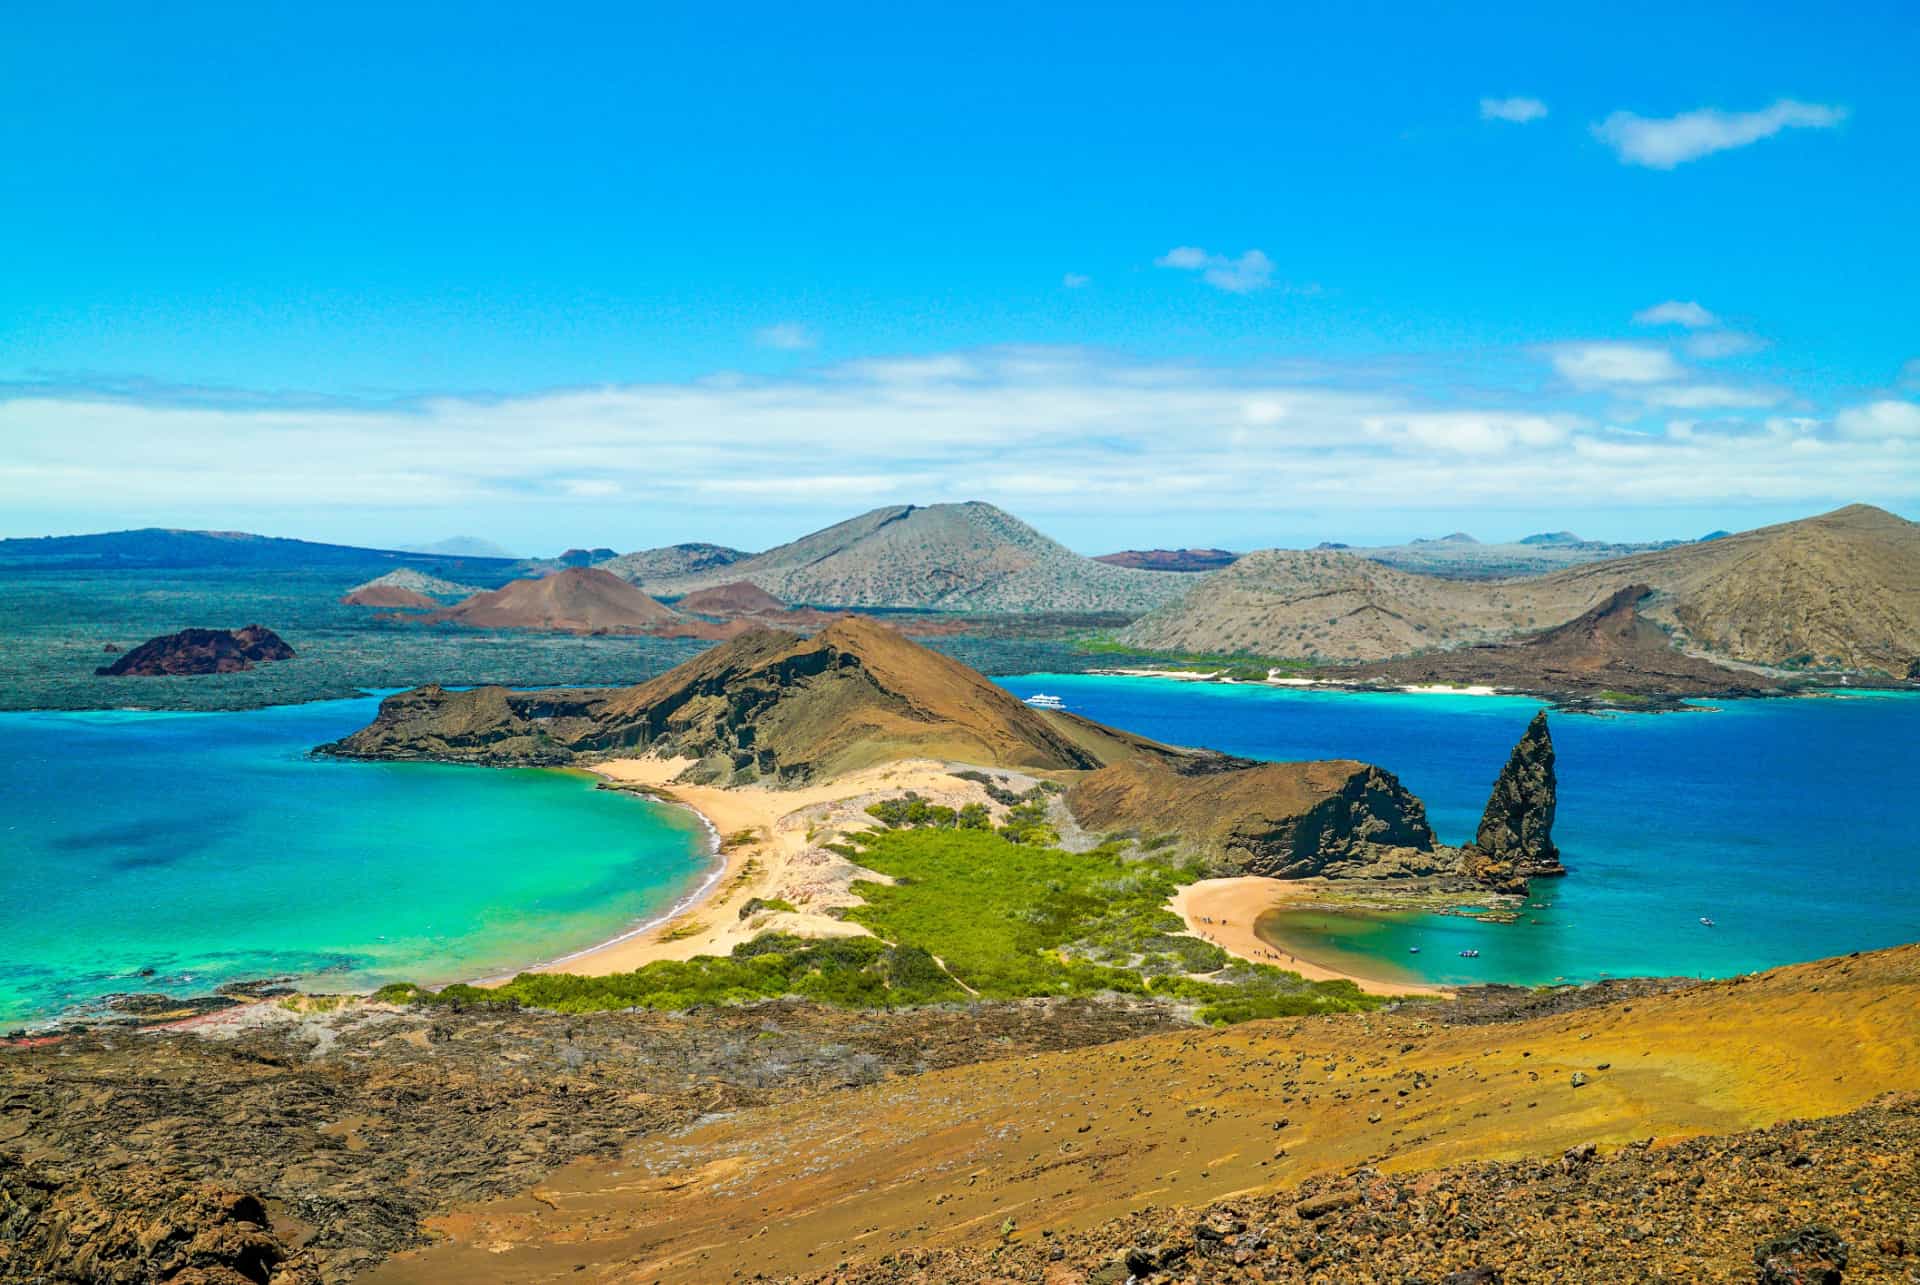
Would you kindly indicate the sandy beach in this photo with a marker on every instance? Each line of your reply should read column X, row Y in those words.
column 1223, row 911
column 772, row 848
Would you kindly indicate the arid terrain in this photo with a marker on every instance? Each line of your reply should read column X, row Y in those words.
column 946, row 557
column 1840, row 591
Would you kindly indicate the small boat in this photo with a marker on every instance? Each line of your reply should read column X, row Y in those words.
column 1413, row 950
column 1040, row 700
column 1469, row 954
column 1705, row 922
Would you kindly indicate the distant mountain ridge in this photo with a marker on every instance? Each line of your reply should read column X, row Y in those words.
column 1840, row 590
column 942, row 557
column 166, row 547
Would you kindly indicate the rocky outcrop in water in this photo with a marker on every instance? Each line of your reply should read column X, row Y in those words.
column 201, row 651
column 1515, row 839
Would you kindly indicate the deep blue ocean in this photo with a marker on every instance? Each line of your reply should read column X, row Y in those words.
column 210, row 847
column 1793, row 824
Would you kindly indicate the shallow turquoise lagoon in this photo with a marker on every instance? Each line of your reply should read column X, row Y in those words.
column 211, row 847
column 1793, row 824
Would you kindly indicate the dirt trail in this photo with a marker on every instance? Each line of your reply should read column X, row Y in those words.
column 1067, row 1140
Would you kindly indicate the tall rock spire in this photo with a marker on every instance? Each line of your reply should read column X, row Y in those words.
column 1515, row 841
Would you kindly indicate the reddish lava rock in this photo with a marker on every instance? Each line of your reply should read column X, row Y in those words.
column 201, row 651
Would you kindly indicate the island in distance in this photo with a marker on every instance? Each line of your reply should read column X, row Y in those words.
column 201, row 651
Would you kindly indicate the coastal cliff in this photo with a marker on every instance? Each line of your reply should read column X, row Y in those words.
column 201, row 651
column 1335, row 819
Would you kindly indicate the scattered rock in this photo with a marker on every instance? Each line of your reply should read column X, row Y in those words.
column 1810, row 1256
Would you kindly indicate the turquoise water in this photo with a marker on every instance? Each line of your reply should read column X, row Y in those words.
column 210, row 848
column 1792, row 824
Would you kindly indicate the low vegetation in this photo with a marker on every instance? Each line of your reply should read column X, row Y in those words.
column 1239, row 666
column 970, row 913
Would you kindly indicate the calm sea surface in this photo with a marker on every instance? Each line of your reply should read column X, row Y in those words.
column 210, row 848
column 1793, row 824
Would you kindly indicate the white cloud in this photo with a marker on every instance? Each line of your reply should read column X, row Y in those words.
column 1664, row 142
column 1471, row 432
column 1056, row 433
column 1601, row 364
column 1076, row 280
column 787, row 336
column 1715, row 344
column 1708, row 397
column 1515, row 110
column 1676, row 313
column 1882, row 419
column 1251, row 271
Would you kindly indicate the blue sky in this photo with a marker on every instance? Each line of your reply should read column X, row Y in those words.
column 1208, row 274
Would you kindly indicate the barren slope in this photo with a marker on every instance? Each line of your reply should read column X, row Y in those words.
column 767, row 704
column 1610, row 648
column 1839, row 590
column 966, row 1159
column 581, row 600
column 944, row 557
column 647, row 567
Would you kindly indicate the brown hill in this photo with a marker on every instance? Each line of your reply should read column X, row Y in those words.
column 1610, row 648
column 768, row 704
column 387, row 595
column 201, row 651
column 581, row 600
column 1170, row 559
column 1841, row 590
column 739, row 598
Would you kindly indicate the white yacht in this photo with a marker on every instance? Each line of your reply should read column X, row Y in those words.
column 1040, row 700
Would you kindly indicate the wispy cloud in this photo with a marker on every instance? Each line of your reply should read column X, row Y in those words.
column 1076, row 280
column 1600, row 364
column 1663, row 142
column 1054, row 431
column 787, row 336
column 1674, row 312
column 1251, row 271
column 1518, row 111
column 1887, row 418
column 1712, row 345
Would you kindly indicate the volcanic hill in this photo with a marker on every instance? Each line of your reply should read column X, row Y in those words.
column 1170, row 559
column 650, row 568
column 581, row 600
column 201, row 651
column 738, row 598
column 942, row 557
column 767, row 705
column 1609, row 649
column 1837, row 591
column 406, row 587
